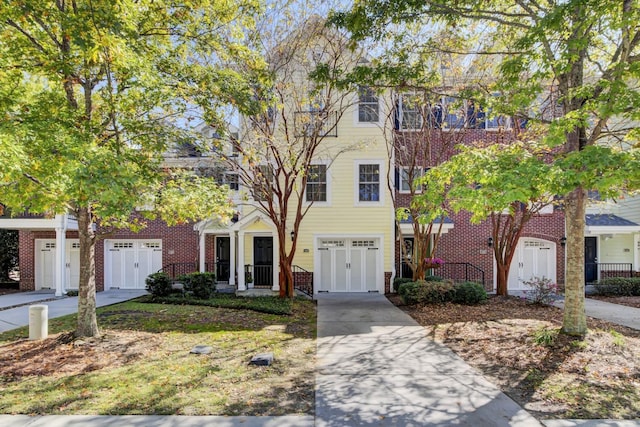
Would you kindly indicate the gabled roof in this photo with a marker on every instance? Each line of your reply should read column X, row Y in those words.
column 609, row 224
column 608, row 220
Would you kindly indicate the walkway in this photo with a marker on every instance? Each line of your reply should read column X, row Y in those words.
column 614, row 313
column 377, row 367
column 57, row 306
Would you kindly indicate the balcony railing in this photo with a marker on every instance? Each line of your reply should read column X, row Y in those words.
column 604, row 270
column 307, row 122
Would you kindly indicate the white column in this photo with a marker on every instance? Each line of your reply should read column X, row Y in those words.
column 636, row 252
column 241, row 283
column 232, row 260
column 276, row 264
column 61, row 261
column 202, row 267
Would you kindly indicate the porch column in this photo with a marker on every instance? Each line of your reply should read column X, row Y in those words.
column 202, row 267
column 636, row 252
column 276, row 264
column 61, row 262
column 241, row 283
column 232, row 261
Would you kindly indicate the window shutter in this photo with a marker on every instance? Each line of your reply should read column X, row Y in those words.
column 396, row 178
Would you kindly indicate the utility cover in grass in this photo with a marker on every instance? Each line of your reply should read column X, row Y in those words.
column 264, row 359
column 201, row 349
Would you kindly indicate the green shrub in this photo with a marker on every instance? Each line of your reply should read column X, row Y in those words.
column 159, row 284
column 433, row 278
column 426, row 292
column 622, row 286
column 399, row 281
column 469, row 293
column 72, row 292
column 199, row 285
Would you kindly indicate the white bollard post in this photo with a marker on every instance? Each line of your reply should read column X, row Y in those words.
column 38, row 322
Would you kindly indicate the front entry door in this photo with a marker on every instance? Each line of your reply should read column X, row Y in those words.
column 590, row 259
column 263, row 261
column 223, row 259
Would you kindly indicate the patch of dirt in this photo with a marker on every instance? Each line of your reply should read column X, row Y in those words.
column 61, row 355
column 628, row 301
column 517, row 346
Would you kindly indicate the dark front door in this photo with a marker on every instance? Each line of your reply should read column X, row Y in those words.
column 263, row 261
column 590, row 259
column 223, row 259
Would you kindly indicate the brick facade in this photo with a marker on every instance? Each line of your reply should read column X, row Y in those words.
column 466, row 242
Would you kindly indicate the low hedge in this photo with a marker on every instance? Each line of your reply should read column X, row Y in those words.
column 618, row 286
column 469, row 293
column 440, row 291
column 159, row 284
column 199, row 285
column 399, row 281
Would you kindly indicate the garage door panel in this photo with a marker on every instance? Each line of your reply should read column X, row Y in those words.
column 356, row 269
column 348, row 265
column 132, row 261
column 371, row 272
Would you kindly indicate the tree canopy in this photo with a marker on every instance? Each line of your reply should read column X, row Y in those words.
column 93, row 93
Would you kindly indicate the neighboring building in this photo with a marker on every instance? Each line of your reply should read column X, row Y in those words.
column 347, row 242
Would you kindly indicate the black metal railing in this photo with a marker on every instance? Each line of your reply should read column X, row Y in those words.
column 461, row 272
column 177, row 269
column 308, row 122
column 260, row 275
column 603, row 270
column 302, row 280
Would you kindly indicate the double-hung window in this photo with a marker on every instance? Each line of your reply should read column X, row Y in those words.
column 263, row 182
column 407, row 176
column 410, row 112
column 368, row 106
column 316, row 183
column 369, row 182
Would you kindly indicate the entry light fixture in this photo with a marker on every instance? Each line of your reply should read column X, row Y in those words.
column 563, row 241
column 293, row 235
column 490, row 242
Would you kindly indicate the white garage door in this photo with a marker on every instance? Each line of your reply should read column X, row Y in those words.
column 533, row 258
column 348, row 265
column 45, row 264
column 129, row 262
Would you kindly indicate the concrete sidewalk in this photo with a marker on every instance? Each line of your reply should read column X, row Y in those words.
column 57, row 306
column 614, row 313
column 378, row 367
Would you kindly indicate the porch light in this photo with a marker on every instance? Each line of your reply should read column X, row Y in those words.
column 563, row 241
column 293, row 235
column 490, row 242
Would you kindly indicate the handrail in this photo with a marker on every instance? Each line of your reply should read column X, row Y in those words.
column 302, row 280
column 606, row 270
column 455, row 272
column 177, row 269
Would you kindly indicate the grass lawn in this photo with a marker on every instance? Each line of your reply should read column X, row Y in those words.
column 141, row 364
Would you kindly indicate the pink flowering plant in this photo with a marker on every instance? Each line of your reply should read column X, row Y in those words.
column 434, row 261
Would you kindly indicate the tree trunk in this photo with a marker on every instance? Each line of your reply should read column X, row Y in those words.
column 286, row 278
column 575, row 321
column 502, row 278
column 87, row 325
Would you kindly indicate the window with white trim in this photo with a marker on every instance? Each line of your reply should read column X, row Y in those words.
column 410, row 112
column 316, row 190
column 368, row 106
column 369, row 182
column 263, row 182
column 407, row 175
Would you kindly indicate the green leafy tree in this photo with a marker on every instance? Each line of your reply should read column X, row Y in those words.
column 92, row 93
column 570, row 66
